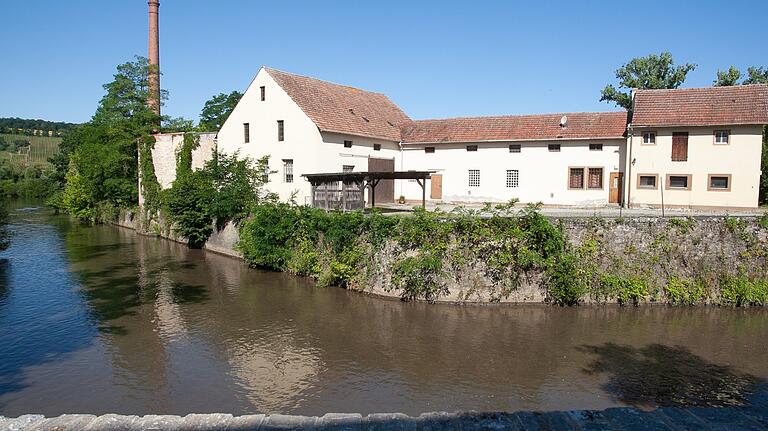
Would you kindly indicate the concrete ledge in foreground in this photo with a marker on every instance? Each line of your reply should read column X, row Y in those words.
column 753, row 417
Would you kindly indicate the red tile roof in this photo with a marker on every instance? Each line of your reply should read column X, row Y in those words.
column 342, row 109
column 582, row 125
column 713, row 106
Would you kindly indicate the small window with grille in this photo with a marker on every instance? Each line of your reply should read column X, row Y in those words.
column 474, row 177
column 513, row 178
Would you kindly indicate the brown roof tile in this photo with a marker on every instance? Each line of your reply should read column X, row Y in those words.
column 342, row 109
column 741, row 104
column 583, row 125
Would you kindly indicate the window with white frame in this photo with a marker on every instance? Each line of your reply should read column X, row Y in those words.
column 649, row 138
column 474, row 177
column 288, row 170
column 722, row 137
column 513, row 178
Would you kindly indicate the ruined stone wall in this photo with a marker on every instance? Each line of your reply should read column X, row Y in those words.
column 165, row 153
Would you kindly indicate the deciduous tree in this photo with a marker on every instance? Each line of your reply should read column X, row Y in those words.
column 217, row 109
column 728, row 78
column 652, row 71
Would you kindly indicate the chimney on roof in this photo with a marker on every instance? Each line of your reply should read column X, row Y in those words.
column 154, row 57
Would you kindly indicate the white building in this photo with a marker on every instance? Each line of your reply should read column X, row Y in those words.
column 309, row 126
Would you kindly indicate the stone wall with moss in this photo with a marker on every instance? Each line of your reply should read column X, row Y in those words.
column 507, row 254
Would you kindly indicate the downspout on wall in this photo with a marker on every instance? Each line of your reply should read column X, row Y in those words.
column 631, row 134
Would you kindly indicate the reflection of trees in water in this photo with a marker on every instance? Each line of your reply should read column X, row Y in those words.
column 659, row 375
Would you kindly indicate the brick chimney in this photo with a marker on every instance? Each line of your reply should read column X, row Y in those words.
column 154, row 56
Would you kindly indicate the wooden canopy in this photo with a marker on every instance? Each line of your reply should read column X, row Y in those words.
column 371, row 179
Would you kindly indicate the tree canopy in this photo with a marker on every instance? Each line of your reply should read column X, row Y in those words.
column 217, row 109
column 650, row 72
column 728, row 78
column 755, row 75
column 98, row 160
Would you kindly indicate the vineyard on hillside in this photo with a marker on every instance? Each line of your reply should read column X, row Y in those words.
column 28, row 150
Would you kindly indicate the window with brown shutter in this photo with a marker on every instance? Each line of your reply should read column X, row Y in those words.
column 575, row 178
column 680, row 147
column 595, row 180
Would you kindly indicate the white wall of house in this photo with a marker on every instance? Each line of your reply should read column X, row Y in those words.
column 301, row 136
column 542, row 174
column 740, row 159
column 312, row 151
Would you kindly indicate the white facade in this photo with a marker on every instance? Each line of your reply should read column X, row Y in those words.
column 532, row 171
column 738, row 160
column 542, row 175
column 311, row 150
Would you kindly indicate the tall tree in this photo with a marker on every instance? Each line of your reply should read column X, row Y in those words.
column 217, row 109
column 652, row 71
column 100, row 157
column 728, row 78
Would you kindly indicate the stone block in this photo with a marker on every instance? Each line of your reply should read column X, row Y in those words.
column 112, row 422
column 20, row 423
column 390, row 422
column 681, row 419
column 246, row 423
column 287, row 422
column 341, row 422
column 63, row 423
column 438, row 421
column 159, row 422
column 206, row 422
column 725, row 419
column 589, row 420
column 635, row 419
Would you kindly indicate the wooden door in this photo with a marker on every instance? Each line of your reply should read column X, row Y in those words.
column 616, row 186
column 436, row 190
column 680, row 146
column 385, row 190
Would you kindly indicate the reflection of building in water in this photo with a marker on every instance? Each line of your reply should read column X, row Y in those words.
column 275, row 375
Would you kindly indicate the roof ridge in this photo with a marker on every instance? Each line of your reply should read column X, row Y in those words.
column 520, row 115
column 272, row 69
column 714, row 87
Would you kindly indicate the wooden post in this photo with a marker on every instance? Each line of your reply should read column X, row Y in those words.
column 423, row 183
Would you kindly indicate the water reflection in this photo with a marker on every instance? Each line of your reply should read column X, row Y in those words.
column 668, row 376
column 155, row 327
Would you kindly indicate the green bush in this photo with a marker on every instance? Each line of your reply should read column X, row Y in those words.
column 187, row 204
column 684, row 292
column 626, row 290
column 741, row 291
column 419, row 276
column 566, row 280
column 266, row 239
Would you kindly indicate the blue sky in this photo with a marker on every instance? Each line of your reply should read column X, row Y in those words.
column 433, row 59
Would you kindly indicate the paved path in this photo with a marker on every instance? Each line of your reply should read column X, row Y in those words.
column 601, row 211
column 753, row 417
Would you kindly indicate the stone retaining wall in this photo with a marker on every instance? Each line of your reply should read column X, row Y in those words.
column 656, row 249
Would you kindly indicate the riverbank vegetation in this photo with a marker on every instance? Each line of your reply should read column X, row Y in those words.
column 428, row 254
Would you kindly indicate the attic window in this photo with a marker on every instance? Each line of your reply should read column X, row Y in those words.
column 347, row 144
column 376, row 147
column 471, row 147
column 263, row 93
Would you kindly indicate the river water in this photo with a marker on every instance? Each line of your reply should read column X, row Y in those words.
column 99, row 320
